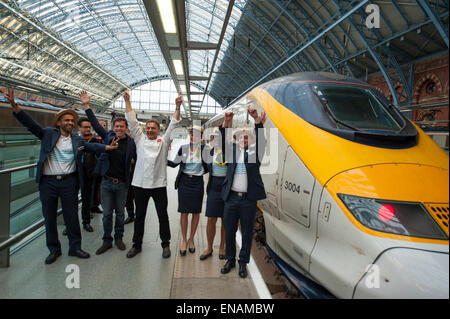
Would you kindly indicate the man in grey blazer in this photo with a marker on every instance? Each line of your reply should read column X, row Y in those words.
column 59, row 174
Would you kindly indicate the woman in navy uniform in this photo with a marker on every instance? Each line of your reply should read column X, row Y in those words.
column 189, row 183
column 217, row 168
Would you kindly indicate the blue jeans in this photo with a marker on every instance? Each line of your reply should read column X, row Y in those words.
column 239, row 209
column 114, row 198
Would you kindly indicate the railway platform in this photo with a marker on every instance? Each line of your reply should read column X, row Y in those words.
column 113, row 276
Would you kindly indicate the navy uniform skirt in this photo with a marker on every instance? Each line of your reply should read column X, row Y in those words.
column 214, row 202
column 190, row 194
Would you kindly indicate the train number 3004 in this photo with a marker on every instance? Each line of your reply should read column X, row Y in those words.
column 292, row 187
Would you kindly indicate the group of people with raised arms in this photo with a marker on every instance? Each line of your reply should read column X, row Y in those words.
column 233, row 189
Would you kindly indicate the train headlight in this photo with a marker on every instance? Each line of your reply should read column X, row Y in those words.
column 401, row 218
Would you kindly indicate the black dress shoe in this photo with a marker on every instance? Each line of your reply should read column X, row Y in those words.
column 133, row 252
column 182, row 252
column 222, row 256
column 228, row 266
column 242, row 270
column 166, row 252
column 79, row 253
column 128, row 220
column 88, row 227
column 205, row 256
column 52, row 257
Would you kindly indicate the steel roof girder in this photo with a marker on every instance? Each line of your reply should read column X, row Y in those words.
column 267, row 32
column 382, row 67
column 343, row 16
column 304, row 28
column 430, row 12
column 333, row 48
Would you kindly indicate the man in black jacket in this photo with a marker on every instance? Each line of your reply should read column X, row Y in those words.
column 88, row 160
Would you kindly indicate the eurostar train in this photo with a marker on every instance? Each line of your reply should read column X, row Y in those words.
column 358, row 203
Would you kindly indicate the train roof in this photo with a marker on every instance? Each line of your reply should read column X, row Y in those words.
column 309, row 77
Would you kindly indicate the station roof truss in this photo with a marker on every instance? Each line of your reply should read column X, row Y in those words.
column 224, row 48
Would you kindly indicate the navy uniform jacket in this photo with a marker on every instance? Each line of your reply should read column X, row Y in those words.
column 49, row 137
column 181, row 159
column 107, row 136
column 255, row 190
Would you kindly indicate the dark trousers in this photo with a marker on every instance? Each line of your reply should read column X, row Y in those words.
column 97, row 180
column 141, row 198
column 239, row 209
column 87, row 194
column 130, row 201
column 50, row 189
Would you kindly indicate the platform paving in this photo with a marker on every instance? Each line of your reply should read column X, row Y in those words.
column 112, row 275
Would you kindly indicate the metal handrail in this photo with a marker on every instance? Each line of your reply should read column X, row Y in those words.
column 24, row 233
column 27, row 231
column 16, row 169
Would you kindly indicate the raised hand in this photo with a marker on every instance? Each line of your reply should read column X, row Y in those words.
column 114, row 144
column 9, row 95
column 228, row 116
column 85, row 99
column 253, row 112
column 178, row 100
column 126, row 95
column 262, row 117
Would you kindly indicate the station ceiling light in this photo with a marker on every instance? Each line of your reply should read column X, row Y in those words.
column 167, row 16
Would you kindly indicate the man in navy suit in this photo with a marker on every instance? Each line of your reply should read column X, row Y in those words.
column 59, row 174
column 242, row 188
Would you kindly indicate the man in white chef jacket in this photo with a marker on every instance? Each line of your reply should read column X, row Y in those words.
column 150, row 173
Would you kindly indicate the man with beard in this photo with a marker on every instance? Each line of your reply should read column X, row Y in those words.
column 59, row 174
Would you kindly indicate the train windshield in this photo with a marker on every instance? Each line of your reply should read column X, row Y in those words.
column 356, row 108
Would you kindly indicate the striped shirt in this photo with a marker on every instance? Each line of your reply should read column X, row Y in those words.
column 194, row 164
column 219, row 171
column 240, row 180
column 62, row 159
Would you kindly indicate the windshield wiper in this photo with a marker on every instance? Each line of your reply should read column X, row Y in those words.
column 324, row 103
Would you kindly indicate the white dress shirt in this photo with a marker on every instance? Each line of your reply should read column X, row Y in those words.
column 151, row 165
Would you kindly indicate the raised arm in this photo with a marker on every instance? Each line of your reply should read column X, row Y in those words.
column 227, row 143
column 23, row 117
column 177, row 114
column 174, row 122
column 85, row 100
column 9, row 95
column 130, row 116
column 259, row 128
